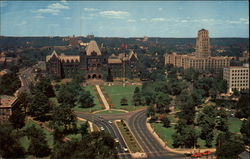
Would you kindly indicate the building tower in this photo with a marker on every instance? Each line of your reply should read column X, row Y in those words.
column 202, row 48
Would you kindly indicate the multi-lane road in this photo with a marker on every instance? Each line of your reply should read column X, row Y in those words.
column 137, row 123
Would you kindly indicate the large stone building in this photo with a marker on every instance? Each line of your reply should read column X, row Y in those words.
column 201, row 59
column 93, row 63
column 237, row 77
column 6, row 104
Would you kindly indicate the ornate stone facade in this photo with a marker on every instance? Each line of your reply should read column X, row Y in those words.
column 92, row 62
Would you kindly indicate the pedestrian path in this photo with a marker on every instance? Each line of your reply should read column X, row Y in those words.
column 102, row 97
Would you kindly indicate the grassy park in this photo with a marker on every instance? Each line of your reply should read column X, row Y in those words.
column 115, row 93
column 166, row 133
column 25, row 141
column 97, row 103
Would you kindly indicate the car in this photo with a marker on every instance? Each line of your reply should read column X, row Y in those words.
column 116, row 140
column 125, row 149
column 206, row 153
column 110, row 122
column 102, row 128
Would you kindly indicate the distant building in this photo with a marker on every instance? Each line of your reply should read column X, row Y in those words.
column 92, row 63
column 245, row 56
column 237, row 77
column 201, row 59
column 6, row 104
column 7, row 61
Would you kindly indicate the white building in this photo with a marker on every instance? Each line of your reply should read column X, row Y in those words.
column 237, row 77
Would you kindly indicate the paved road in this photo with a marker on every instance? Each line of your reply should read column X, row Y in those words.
column 108, row 127
column 24, row 76
column 154, row 150
column 137, row 122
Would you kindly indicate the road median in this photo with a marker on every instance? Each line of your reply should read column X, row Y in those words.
column 127, row 136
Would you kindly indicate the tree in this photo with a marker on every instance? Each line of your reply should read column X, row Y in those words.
column 39, row 106
column 150, row 111
column 17, row 117
column 245, row 131
column 68, row 93
column 242, row 107
column 162, row 102
column 188, row 110
column 9, row 83
column 9, row 143
column 229, row 146
column 95, row 145
column 185, row 135
column 207, row 123
column 83, row 130
column 166, row 122
column 63, row 119
column 45, row 87
column 24, row 99
column 85, row 99
column 124, row 101
column 137, row 97
column 221, row 122
column 38, row 144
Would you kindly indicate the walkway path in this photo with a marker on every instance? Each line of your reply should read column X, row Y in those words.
column 102, row 97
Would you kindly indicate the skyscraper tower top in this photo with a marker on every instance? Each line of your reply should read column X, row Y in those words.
column 202, row 48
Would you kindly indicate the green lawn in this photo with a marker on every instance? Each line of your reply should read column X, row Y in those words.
column 111, row 112
column 129, row 138
column 117, row 92
column 92, row 109
column 234, row 125
column 166, row 135
column 25, row 141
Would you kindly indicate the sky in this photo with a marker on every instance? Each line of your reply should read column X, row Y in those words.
column 124, row 18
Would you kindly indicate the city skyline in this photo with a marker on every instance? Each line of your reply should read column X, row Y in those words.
column 125, row 19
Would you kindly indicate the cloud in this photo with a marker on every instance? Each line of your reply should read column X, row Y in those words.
column 67, row 18
column 90, row 9
column 22, row 23
column 244, row 20
column 47, row 10
column 86, row 18
column 114, row 14
column 144, row 19
column 58, row 6
column 158, row 20
column 131, row 20
column 160, row 9
column 39, row 17
column 54, row 25
column 54, row 9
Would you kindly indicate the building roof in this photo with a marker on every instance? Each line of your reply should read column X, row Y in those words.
column 63, row 57
column 113, row 61
column 7, row 101
column 92, row 47
column 66, row 58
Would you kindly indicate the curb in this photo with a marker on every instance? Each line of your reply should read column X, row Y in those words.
column 164, row 145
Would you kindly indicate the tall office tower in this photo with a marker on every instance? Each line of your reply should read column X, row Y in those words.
column 202, row 48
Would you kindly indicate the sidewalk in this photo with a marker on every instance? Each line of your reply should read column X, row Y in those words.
column 179, row 150
column 102, row 97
